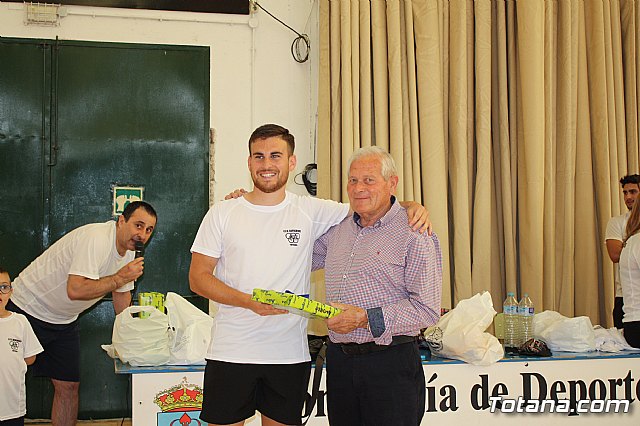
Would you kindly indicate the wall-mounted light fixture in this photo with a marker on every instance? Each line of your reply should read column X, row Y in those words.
column 45, row 14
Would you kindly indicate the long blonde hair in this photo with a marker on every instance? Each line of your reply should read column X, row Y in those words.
column 633, row 224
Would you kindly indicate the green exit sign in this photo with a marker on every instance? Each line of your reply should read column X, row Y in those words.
column 123, row 195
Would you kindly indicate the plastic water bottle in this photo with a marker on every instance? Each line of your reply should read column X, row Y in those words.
column 526, row 311
column 511, row 330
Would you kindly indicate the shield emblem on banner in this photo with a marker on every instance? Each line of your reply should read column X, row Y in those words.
column 190, row 418
column 180, row 405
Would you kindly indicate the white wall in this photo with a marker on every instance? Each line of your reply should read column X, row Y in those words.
column 254, row 78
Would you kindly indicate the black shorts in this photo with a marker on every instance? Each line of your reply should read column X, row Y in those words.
column 61, row 343
column 18, row 421
column 233, row 392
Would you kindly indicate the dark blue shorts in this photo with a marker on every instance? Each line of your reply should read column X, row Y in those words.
column 61, row 343
column 233, row 392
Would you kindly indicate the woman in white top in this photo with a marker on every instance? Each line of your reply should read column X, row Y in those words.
column 630, row 277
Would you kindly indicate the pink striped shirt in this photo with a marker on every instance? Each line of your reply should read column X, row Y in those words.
column 386, row 265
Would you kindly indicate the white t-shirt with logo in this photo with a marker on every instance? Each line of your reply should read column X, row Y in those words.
column 89, row 251
column 630, row 278
column 615, row 231
column 17, row 342
column 266, row 247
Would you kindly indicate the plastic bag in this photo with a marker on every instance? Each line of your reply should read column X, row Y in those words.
column 189, row 331
column 564, row 334
column 611, row 340
column 460, row 333
column 141, row 341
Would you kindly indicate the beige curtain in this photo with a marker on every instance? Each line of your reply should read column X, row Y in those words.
column 512, row 121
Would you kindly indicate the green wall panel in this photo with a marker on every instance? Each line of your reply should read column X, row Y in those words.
column 24, row 107
column 134, row 115
column 77, row 118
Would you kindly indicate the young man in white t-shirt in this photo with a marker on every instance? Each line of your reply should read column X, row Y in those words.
column 259, row 355
column 69, row 277
column 615, row 234
column 18, row 348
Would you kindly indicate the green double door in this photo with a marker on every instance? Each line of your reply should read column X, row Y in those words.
column 76, row 120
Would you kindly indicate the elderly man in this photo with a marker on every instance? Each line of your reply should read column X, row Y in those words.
column 387, row 280
column 68, row 278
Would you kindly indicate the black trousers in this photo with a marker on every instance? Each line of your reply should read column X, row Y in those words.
column 618, row 313
column 632, row 333
column 385, row 388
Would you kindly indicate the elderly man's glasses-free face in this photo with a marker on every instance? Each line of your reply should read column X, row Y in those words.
column 5, row 288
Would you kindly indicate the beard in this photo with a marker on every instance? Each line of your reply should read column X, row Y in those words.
column 272, row 185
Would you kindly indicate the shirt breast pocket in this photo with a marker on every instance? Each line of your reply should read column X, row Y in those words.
column 386, row 265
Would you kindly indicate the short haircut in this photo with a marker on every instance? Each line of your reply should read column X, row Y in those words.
column 387, row 164
column 630, row 179
column 273, row 130
column 135, row 205
column 3, row 271
column 633, row 223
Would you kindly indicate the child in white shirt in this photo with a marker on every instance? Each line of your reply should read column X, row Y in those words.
column 18, row 348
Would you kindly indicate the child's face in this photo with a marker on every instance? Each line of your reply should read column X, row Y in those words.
column 4, row 298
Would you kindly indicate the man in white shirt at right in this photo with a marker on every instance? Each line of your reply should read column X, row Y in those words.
column 614, row 236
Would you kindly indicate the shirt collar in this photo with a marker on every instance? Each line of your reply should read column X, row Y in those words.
column 395, row 207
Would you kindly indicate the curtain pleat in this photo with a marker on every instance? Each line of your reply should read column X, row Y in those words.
column 460, row 143
column 512, row 121
column 395, row 36
column 566, row 92
column 335, row 126
column 433, row 155
column 629, row 41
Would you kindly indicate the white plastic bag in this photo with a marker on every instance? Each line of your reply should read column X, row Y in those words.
column 462, row 332
column 189, row 331
column 564, row 334
column 611, row 340
column 141, row 341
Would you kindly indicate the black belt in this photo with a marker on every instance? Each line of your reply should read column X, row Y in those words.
column 365, row 348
